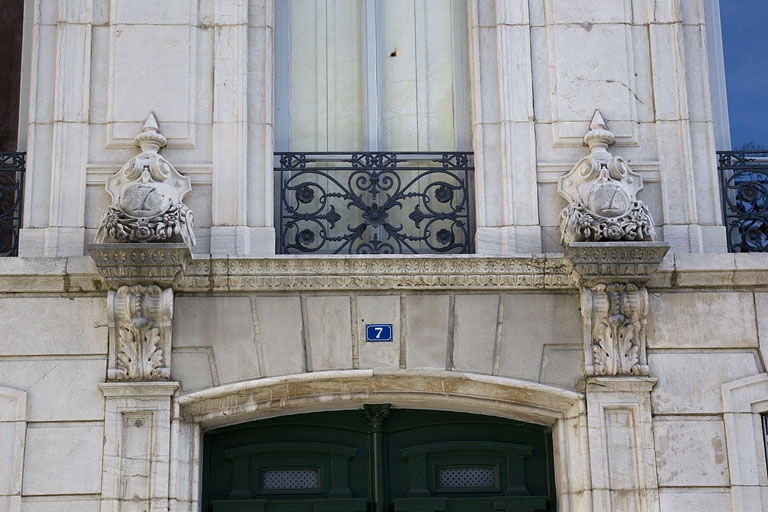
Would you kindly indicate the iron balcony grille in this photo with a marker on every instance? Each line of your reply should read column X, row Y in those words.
column 374, row 203
column 744, row 192
column 12, row 166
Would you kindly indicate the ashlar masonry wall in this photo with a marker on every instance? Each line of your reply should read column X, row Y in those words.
column 706, row 350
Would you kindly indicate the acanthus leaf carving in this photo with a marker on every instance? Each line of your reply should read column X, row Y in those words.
column 140, row 333
column 617, row 313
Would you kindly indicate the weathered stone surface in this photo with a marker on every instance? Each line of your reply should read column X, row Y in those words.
column 224, row 323
column 194, row 368
column 681, row 390
column 691, row 453
column 561, row 365
column 129, row 264
column 62, row 503
column 378, row 309
column 524, row 336
column 697, row 320
column 44, row 380
column 63, row 458
column 761, row 305
column 426, row 330
column 700, row 500
column 613, row 262
column 329, row 333
column 53, row 325
column 475, row 326
column 279, row 331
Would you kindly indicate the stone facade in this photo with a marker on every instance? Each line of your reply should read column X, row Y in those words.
column 646, row 359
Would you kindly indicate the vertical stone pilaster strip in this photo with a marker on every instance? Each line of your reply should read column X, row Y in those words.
column 503, row 128
column 621, row 446
column 137, row 446
column 230, row 129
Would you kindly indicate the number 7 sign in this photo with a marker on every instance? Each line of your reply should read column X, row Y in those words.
column 378, row 332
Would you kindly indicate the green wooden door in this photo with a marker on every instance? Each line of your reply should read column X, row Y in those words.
column 379, row 459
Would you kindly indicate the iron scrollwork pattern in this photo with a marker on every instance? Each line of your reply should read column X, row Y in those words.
column 12, row 166
column 744, row 182
column 374, row 203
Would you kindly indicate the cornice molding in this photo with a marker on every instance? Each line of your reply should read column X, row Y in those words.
column 374, row 273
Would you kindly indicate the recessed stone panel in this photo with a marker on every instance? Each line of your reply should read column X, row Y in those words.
column 63, row 459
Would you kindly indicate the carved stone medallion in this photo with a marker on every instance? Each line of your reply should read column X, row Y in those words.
column 602, row 193
column 146, row 197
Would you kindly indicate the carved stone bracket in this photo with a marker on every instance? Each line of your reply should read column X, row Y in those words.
column 614, row 302
column 617, row 316
column 140, row 333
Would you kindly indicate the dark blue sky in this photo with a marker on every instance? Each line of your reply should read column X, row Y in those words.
column 745, row 48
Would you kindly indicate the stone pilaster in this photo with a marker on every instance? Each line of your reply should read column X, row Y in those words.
column 611, row 277
column 621, row 447
column 137, row 446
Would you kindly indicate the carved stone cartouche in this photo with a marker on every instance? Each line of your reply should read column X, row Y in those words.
column 146, row 197
column 602, row 193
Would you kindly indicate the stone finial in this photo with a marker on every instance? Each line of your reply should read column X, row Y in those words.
column 602, row 193
column 146, row 197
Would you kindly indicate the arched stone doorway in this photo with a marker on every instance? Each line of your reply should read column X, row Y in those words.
column 379, row 458
column 550, row 409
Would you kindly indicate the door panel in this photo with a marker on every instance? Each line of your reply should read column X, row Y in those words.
column 379, row 459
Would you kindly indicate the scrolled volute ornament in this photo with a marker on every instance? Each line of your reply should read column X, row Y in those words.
column 146, row 197
column 601, row 191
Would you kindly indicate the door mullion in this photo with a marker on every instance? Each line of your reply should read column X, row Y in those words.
column 377, row 415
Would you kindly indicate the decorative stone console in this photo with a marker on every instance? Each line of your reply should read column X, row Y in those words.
column 142, row 246
column 611, row 253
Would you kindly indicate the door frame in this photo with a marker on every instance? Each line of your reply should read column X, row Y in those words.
column 562, row 410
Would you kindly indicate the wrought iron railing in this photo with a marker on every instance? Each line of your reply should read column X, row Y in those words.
column 374, row 203
column 12, row 167
column 744, row 192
